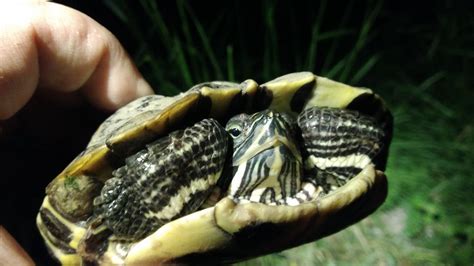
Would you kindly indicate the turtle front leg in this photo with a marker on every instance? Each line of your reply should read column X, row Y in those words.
column 338, row 144
column 168, row 179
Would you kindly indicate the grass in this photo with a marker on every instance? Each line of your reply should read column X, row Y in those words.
column 420, row 67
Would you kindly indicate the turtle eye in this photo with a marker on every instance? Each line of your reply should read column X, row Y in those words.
column 235, row 132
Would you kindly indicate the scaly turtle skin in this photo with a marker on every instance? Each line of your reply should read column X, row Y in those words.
column 161, row 180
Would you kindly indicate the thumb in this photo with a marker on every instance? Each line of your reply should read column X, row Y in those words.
column 11, row 252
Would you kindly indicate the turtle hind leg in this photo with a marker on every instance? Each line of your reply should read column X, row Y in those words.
column 337, row 144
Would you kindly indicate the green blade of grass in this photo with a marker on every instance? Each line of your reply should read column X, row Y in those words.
column 336, row 69
column 270, row 56
column 361, row 41
column 313, row 46
column 429, row 82
column 335, row 34
column 329, row 58
column 154, row 14
column 188, row 40
column 206, row 44
column 182, row 64
column 369, row 64
column 230, row 63
column 118, row 8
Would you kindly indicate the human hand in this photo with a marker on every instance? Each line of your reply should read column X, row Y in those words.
column 62, row 56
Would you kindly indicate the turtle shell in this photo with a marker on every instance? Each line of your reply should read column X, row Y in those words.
column 225, row 232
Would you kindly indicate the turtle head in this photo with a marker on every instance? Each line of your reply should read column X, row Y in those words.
column 254, row 134
column 265, row 152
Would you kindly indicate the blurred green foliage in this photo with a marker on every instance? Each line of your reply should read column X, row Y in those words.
column 421, row 62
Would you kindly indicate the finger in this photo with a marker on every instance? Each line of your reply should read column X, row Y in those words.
column 11, row 252
column 57, row 48
column 18, row 63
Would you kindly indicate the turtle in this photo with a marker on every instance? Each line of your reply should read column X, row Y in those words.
column 221, row 173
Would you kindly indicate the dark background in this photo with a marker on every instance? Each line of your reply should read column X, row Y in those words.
column 418, row 55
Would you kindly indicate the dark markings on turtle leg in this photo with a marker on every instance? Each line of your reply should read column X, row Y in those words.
column 56, row 231
column 338, row 143
column 301, row 96
column 170, row 178
column 338, row 147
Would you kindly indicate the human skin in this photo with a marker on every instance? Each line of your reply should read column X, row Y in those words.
column 53, row 50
